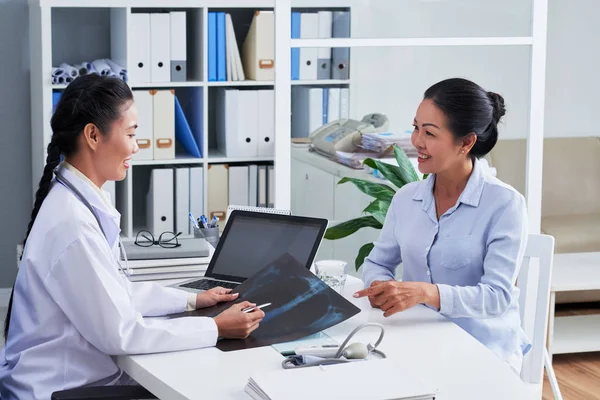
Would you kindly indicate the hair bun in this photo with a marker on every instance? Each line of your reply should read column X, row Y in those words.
column 498, row 104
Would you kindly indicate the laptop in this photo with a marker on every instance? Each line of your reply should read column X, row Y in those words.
column 252, row 240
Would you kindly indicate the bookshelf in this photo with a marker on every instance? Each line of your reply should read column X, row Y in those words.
column 74, row 31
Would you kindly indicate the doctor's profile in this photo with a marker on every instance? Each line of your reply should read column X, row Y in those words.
column 72, row 306
column 460, row 233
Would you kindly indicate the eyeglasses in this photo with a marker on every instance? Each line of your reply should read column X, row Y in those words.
column 166, row 239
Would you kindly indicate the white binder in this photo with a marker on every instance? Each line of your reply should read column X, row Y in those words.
column 266, row 123
column 139, row 48
column 178, row 46
column 309, row 29
column 160, row 47
column 258, row 50
column 262, row 186
column 253, row 185
column 237, row 122
column 159, row 202
column 164, row 124
column 307, row 110
column 324, row 53
column 238, row 185
column 182, row 200
column 145, row 131
column 344, row 103
column 235, row 68
column 333, row 104
column 196, row 191
column 271, row 186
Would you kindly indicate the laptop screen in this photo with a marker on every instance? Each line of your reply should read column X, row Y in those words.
column 252, row 240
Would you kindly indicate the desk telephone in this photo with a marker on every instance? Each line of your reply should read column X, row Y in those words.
column 345, row 134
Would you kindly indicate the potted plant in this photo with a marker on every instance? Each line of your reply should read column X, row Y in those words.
column 382, row 193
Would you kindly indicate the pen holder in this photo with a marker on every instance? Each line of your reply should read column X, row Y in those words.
column 210, row 234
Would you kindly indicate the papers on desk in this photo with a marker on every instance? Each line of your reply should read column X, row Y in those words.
column 379, row 141
column 374, row 379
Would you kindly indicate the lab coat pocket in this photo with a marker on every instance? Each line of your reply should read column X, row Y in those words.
column 456, row 252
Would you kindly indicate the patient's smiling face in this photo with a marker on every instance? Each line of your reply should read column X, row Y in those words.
column 438, row 149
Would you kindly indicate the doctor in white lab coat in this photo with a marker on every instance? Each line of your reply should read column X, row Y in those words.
column 72, row 309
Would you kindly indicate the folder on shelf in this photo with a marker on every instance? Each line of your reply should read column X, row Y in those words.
column 178, row 46
column 253, row 185
column 192, row 103
column 183, row 132
column 237, row 122
column 295, row 60
column 164, row 124
column 218, row 191
column 340, row 56
column 262, row 186
column 266, row 123
column 307, row 110
column 258, row 50
column 324, row 53
column 159, row 201
column 196, row 191
column 138, row 39
column 182, row 199
column 235, row 69
column 344, row 103
column 309, row 29
column 145, row 130
column 160, row 47
column 333, row 104
column 271, row 186
column 212, row 46
column 238, row 185
column 325, row 106
column 221, row 48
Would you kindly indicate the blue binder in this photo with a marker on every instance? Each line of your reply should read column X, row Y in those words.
column 295, row 61
column 212, row 46
column 221, row 48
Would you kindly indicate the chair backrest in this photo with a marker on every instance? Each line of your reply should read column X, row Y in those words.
column 534, row 301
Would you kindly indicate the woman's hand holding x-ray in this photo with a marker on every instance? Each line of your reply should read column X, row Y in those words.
column 213, row 296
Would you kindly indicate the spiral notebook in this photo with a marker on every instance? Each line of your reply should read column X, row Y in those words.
column 373, row 379
column 232, row 207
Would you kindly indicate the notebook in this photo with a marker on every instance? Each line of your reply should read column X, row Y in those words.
column 190, row 248
column 373, row 379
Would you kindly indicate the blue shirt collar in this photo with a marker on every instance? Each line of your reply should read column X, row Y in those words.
column 470, row 195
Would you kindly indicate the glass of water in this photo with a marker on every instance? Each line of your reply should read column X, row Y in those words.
column 333, row 273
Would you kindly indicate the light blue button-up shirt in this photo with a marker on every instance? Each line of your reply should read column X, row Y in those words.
column 473, row 255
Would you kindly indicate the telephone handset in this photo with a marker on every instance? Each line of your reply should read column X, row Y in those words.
column 345, row 134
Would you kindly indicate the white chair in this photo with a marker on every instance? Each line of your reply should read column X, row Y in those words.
column 534, row 303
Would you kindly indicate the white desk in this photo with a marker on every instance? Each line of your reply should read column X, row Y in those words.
column 436, row 349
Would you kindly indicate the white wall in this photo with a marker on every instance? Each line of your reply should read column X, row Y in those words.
column 392, row 80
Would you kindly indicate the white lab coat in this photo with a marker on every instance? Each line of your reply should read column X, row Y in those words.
column 73, row 310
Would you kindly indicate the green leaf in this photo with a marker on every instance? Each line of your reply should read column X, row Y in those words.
column 362, row 254
column 377, row 190
column 378, row 209
column 391, row 172
column 349, row 227
column 406, row 168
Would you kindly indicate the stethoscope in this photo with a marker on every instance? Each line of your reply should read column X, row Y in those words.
column 65, row 182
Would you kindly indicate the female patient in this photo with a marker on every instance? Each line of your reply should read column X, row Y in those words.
column 459, row 234
column 71, row 309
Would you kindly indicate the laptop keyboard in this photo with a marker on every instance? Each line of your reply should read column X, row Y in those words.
column 206, row 284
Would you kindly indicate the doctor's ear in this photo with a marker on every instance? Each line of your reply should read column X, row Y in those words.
column 91, row 135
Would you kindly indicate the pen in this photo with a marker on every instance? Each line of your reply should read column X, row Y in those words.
column 214, row 221
column 249, row 309
column 204, row 221
column 193, row 220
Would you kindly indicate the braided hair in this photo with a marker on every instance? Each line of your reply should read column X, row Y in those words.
column 89, row 99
